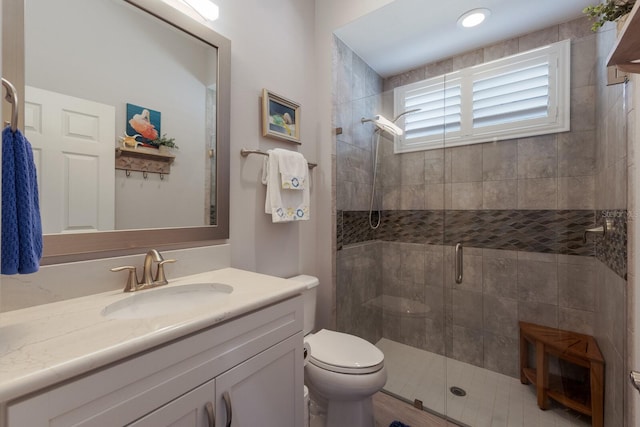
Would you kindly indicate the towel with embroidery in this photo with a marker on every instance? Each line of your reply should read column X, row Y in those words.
column 293, row 169
column 284, row 205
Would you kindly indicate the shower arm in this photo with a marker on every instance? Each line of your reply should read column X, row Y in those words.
column 396, row 118
column 415, row 110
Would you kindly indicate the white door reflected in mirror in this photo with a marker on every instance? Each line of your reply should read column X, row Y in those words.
column 72, row 142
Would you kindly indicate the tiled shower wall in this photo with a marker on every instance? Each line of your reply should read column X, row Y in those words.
column 611, row 194
column 356, row 95
column 519, row 207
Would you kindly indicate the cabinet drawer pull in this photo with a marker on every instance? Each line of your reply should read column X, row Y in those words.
column 210, row 414
column 227, row 405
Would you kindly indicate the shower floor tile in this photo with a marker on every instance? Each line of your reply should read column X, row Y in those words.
column 492, row 399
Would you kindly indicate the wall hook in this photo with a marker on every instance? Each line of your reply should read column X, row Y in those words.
column 144, row 174
column 128, row 172
column 161, row 176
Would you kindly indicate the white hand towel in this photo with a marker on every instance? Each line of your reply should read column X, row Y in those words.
column 284, row 205
column 293, row 169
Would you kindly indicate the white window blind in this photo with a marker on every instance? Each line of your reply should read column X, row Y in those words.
column 440, row 109
column 522, row 95
column 519, row 94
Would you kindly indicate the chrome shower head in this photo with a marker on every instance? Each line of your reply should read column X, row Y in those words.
column 384, row 124
column 389, row 125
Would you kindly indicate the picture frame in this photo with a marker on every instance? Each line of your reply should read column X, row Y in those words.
column 280, row 117
column 143, row 124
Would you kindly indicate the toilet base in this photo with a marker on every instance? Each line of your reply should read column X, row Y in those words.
column 353, row 413
column 317, row 414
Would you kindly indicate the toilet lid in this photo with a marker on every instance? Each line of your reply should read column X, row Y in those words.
column 344, row 353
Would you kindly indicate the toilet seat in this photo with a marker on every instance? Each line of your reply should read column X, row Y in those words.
column 344, row 353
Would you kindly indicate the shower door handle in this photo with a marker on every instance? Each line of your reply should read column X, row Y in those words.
column 458, row 263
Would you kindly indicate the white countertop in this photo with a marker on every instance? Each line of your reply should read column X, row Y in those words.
column 46, row 344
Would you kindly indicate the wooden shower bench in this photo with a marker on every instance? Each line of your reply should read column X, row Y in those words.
column 579, row 349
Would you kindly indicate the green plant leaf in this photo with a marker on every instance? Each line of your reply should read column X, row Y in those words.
column 163, row 140
column 609, row 11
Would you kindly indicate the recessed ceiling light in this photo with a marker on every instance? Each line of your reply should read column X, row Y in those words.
column 473, row 17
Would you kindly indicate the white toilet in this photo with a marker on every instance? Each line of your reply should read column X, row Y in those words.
column 343, row 371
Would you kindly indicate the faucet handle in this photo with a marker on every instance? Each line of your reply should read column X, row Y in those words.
column 160, row 277
column 132, row 280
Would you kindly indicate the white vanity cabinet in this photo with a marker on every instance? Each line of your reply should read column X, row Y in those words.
column 194, row 409
column 253, row 391
column 249, row 368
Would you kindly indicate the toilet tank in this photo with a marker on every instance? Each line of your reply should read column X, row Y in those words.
column 309, row 296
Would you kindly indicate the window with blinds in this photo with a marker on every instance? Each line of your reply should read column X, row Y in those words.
column 514, row 97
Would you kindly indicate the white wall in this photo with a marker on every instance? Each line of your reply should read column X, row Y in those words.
column 272, row 46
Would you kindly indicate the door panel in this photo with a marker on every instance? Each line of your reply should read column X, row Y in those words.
column 73, row 144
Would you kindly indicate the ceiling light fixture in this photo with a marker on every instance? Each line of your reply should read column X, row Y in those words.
column 473, row 17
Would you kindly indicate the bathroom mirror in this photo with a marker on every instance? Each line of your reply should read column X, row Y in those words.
column 142, row 54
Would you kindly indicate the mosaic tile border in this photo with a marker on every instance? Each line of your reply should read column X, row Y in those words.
column 545, row 231
column 612, row 251
column 355, row 226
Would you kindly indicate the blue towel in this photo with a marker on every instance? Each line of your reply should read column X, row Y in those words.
column 21, row 226
column 398, row 424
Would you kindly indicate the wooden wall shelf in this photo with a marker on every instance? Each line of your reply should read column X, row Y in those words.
column 626, row 52
column 144, row 160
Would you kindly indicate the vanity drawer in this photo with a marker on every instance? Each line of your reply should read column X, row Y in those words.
column 123, row 392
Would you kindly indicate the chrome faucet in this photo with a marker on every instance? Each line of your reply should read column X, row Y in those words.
column 151, row 257
column 148, row 280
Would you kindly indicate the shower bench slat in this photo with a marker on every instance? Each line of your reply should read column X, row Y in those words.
column 575, row 348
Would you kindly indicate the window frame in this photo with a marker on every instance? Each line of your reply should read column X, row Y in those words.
column 557, row 55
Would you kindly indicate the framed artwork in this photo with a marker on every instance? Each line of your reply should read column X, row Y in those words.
column 143, row 124
column 280, row 117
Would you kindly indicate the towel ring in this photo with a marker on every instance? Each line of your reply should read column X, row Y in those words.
column 12, row 98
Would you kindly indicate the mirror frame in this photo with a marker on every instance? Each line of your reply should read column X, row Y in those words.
column 60, row 248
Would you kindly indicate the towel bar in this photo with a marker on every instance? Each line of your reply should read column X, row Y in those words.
column 12, row 98
column 245, row 152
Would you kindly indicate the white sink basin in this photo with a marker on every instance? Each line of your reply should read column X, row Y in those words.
column 160, row 301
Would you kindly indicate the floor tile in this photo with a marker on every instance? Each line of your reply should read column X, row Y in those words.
column 492, row 399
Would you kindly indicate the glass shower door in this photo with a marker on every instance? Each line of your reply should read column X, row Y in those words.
column 521, row 258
